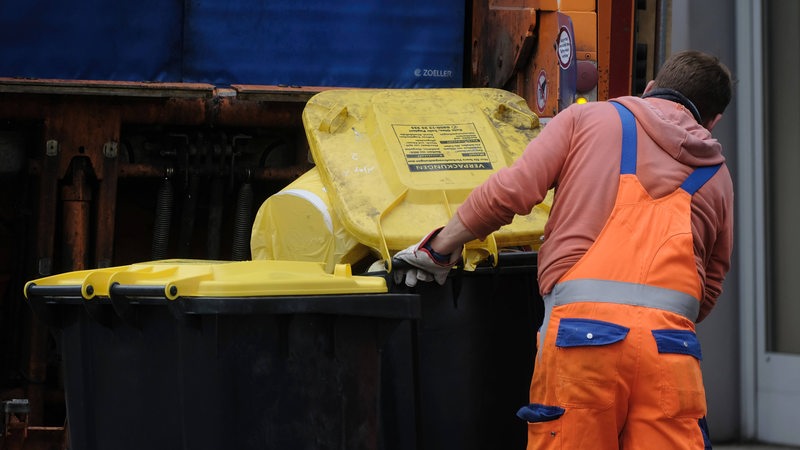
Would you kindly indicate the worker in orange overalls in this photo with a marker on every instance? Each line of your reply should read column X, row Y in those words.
column 637, row 245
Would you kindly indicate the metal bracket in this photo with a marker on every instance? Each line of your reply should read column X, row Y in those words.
column 51, row 148
column 15, row 416
column 111, row 149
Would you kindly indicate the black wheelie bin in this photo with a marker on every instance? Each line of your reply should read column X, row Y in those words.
column 248, row 355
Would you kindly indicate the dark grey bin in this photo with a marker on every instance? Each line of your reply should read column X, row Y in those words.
column 290, row 372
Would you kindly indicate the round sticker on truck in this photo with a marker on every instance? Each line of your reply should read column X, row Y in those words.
column 564, row 48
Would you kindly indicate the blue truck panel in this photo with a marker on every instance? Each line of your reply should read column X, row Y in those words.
column 364, row 43
column 361, row 43
column 92, row 39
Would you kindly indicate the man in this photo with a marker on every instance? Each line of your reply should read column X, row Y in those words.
column 636, row 249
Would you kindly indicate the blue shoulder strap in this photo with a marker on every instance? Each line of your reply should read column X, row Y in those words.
column 693, row 182
column 699, row 177
column 627, row 164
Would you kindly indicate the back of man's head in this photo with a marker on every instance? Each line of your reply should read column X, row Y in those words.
column 701, row 77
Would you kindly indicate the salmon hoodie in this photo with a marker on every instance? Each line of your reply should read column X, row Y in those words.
column 578, row 154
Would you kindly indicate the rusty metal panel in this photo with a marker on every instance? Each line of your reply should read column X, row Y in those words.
column 503, row 37
column 105, row 88
column 548, row 82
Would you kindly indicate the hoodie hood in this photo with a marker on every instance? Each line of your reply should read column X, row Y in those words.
column 674, row 129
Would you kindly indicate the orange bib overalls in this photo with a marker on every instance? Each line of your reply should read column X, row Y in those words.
column 618, row 365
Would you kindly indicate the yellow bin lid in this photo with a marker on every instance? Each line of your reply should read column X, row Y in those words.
column 399, row 162
column 205, row 278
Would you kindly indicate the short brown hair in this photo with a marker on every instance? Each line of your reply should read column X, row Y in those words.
column 701, row 77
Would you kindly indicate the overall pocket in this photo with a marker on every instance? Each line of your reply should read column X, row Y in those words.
column 589, row 352
column 682, row 391
column 544, row 426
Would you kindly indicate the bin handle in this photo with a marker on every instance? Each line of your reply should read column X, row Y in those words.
column 384, row 247
column 490, row 242
column 333, row 119
column 510, row 113
column 34, row 290
column 117, row 289
column 491, row 247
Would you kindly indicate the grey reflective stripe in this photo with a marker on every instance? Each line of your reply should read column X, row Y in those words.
column 604, row 291
column 548, row 312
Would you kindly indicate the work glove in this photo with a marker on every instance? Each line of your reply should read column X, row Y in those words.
column 420, row 263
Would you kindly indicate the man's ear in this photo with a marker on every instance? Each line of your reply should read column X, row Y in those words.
column 713, row 122
column 649, row 86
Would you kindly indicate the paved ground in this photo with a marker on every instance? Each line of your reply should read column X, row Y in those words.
column 752, row 447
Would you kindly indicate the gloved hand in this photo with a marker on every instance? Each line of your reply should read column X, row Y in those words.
column 424, row 264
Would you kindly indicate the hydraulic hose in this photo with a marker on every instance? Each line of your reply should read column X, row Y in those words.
column 163, row 219
column 188, row 217
column 242, row 223
column 215, row 217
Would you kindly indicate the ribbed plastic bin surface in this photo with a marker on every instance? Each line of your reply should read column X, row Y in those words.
column 247, row 355
column 476, row 347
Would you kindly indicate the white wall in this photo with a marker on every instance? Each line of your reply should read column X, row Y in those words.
column 709, row 26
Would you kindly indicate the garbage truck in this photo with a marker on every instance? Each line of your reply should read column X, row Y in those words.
column 166, row 164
